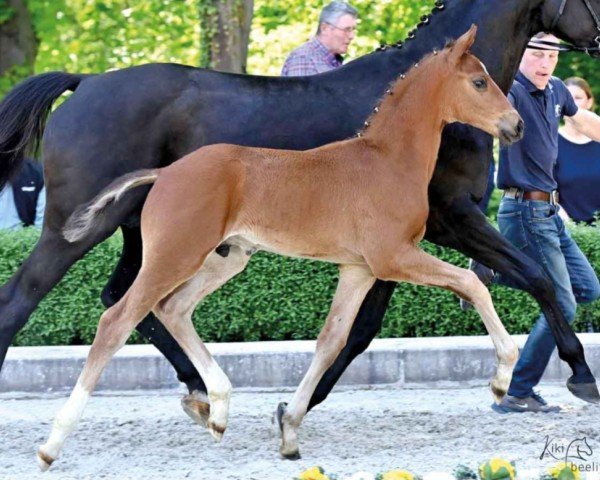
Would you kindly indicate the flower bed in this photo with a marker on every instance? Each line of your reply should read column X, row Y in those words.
column 493, row 469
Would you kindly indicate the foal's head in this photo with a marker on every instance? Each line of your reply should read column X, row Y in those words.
column 471, row 96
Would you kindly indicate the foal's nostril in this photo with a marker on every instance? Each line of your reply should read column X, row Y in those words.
column 520, row 129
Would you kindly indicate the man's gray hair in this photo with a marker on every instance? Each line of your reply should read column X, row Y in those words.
column 331, row 13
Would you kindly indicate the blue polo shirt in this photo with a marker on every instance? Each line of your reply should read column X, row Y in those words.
column 529, row 163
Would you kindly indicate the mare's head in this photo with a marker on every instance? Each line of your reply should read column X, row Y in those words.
column 576, row 21
column 471, row 96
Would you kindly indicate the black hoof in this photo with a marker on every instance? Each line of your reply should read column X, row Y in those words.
column 292, row 456
column 496, row 392
column 280, row 411
column 587, row 392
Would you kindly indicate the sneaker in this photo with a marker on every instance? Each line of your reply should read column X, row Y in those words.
column 485, row 274
column 532, row 403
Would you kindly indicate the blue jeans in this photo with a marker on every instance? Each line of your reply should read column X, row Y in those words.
column 535, row 228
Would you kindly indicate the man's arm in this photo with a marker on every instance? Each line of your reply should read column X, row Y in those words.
column 587, row 123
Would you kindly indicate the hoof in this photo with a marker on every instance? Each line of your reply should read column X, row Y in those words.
column 295, row 455
column 279, row 414
column 286, row 452
column 44, row 461
column 216, row 431
column 196, row 408
column 587, row 392
column 497, row 392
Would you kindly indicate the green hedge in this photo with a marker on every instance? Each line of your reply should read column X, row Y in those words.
column 275, row 298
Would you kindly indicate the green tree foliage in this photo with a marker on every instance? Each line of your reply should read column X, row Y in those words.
column 275, row 298
column 6, row 12
column 580, row 65
column 90, row 36
column 18, row 44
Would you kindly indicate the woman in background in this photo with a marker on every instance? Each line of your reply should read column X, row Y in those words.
column 577, row 170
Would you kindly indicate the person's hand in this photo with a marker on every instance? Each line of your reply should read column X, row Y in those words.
column 562, row 213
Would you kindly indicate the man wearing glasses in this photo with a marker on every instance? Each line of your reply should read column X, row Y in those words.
column 337, row 26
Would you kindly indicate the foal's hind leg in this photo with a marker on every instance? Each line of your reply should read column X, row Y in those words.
column 355, row 281
column 115, row 326
column 416, row 266
column 175, row 312
column 152, row 284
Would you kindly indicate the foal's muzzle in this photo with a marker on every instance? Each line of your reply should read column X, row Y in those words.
column 511, row 128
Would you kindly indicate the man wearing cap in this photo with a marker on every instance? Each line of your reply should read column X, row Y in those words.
column 528, row 214
column 337, row 26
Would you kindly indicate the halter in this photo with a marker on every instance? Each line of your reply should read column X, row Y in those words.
column 570, row 48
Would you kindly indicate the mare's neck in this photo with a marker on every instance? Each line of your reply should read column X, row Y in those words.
column 504, row 30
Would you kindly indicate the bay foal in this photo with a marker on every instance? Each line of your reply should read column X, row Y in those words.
column 361, row 203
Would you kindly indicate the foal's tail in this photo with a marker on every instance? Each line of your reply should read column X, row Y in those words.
column 84, row 218
column 23, row 113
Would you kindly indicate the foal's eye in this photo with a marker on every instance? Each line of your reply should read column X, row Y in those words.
column 480, row 83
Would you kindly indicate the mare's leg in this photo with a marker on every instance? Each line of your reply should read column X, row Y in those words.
column 121, row 279
column 40, row 272
column 415, row 266
column 175, row 312
column 465, row 228
column 354, row 283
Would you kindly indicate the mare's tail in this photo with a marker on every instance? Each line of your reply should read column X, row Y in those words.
column 83, row 219
column 23, row 113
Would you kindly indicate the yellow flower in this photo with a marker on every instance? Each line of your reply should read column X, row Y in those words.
column 314, row 473
column 497, row 469
column 565, row 471
column 397, row 475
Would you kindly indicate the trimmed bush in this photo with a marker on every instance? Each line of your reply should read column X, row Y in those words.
column 275, row 298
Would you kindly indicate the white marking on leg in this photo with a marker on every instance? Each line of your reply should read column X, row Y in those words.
column 175, row 313
column 219, row 393
column 507, row 352
column 64, row 423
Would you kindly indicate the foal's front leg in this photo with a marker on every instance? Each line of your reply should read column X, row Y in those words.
column 415, row 266
column 354, row 283
column 175, row 312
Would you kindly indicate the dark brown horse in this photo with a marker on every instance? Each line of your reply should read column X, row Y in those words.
column 361, row 203
column 146, row 117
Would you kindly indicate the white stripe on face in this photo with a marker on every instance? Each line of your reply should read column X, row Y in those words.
column 484, row 68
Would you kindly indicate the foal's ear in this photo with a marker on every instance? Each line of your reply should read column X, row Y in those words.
column 463, row 43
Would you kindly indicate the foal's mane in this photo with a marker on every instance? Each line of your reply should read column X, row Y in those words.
column 399, row 82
